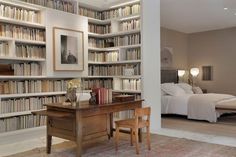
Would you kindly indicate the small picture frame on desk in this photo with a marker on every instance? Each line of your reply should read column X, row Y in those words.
column 68, row 49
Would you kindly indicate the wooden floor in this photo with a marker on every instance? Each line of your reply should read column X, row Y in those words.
column 226, row 126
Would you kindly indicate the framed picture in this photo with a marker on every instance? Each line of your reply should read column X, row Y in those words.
column 68, row 49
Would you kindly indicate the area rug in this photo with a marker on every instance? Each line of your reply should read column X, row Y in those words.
column 162, row 146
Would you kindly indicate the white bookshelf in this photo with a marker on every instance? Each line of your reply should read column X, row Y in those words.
column 14, row 114
column 114, row 48
column 113, row 34
column 118, row 62
column 22, row 23
column 24, row 95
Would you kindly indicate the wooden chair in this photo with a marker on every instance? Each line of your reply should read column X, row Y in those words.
column 135, row 124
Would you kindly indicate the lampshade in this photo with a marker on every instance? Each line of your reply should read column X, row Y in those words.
column 194, row 72
column 181, row 73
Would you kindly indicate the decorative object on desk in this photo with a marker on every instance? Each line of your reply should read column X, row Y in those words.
column 68, row 50
column 72, row 87
column 123, row 98
column 194, row 73
column 92, row 100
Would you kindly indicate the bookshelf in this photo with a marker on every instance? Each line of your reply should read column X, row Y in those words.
column 114, row 51
column 24, row 84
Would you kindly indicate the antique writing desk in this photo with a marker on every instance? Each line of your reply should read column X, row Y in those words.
column 83, row 122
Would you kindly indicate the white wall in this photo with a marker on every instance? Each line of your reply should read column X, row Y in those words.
column 151, row 60
column 61, row 19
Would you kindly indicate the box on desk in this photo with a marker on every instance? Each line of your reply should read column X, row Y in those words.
column 123, row 98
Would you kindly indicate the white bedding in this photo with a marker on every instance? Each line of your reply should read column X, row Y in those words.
column 195, row 106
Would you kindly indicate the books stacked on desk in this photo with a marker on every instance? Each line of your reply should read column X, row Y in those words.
column 103, row 95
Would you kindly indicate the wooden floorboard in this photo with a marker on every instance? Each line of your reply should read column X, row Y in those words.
column 226, row 126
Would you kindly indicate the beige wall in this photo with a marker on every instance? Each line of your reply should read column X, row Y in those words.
column 218, row 49
column 177, row 41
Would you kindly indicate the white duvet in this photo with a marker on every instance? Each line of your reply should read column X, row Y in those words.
column 195, row 106
column 202, row 106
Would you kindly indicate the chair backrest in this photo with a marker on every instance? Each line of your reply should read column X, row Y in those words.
column 140, row 113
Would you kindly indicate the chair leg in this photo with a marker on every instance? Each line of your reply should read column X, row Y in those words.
column 117, row 137
column 148, row 138
column 137, row 141
column 131, row 137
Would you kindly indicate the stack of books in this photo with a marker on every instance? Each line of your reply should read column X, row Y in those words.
column 103, row 95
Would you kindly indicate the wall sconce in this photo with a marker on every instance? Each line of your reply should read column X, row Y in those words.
column 194, row 72
column 181, row 73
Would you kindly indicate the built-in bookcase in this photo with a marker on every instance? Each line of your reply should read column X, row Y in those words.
column 114, row 57
column 24, row 86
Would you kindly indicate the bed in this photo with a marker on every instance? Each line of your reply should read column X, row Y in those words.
column 178, row 98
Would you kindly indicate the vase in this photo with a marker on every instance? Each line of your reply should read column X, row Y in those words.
column 71, row 96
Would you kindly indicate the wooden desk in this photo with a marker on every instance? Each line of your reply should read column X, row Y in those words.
column 83, row 122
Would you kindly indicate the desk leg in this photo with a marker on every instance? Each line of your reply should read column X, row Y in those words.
column 49, row 143
column 140, row 135
column 79, row 133
column 111, row 125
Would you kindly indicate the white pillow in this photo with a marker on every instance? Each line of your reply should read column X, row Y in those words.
column 172, row 89
column 197, row 90
column 186, row 87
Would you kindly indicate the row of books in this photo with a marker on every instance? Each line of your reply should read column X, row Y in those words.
column 127, row 84
column 19, row 13
column 32, row 86
column 27, row 69
column 99, row 29
column 103, row 95
column 20, row 32
column 28, row 104
column 112, row 56
column 121, row 12
column 115, row 41
column 4, row 49
column 131, row 54
column 130, row 25
column 109, row 14
column 113, row 70
column 97, row 83
column 30, row 51
column 90, row 13
column 21, row 122
column 63, row 5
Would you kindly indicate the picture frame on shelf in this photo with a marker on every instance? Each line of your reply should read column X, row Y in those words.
column 68, row 49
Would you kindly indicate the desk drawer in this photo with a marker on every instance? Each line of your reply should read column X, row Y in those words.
column 61, row 127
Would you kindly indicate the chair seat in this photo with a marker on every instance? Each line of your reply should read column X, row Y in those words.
column 130, row 123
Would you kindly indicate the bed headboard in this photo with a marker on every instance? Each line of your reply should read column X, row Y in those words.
column 169, row 76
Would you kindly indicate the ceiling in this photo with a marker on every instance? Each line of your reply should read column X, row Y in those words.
column 187, row 16
column 101, row 4
column 192, row 16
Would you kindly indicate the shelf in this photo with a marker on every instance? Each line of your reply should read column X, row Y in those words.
column 117, row 62
column 15, row 114
column 22, row 23
column 30, row 95
column 21, row 77
column 108, row 21
column 13, row 3
column 125, row 4
column 121, row 77
column 114, row 48
column 22, row 59
column 127, row 91
column 23, row 41
column 114, row 34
